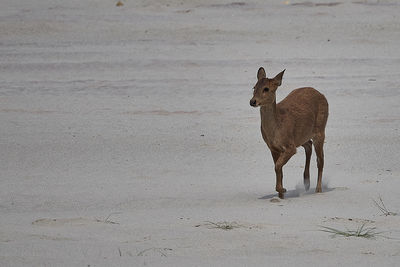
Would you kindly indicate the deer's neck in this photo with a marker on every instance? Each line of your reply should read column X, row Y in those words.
column 269, row 119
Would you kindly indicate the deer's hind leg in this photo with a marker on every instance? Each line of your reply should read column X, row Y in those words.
column 319, row 150
column 308, row 149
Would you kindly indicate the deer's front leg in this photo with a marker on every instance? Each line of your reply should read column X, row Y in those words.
column 280, row 162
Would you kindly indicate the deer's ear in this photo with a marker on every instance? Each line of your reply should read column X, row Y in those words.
column 261, row 73
column 278, row 78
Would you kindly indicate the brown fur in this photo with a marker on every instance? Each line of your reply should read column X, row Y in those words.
column 293, row 122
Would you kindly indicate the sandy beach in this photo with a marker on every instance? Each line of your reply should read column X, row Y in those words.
column 127, row 138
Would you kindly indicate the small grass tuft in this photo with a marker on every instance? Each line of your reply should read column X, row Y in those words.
column 224, row 225
column 161, row 251
column 381, row 206
column 107, row 219
column 362, row 231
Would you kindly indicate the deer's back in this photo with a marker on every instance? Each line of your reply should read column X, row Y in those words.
column 306, row 111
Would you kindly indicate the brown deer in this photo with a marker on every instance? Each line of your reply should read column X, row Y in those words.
column 293, row 122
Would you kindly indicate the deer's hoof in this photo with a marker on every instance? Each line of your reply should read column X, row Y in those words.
column 280, row 190
column 318, row 190
column 307, row 184
column 281, row 195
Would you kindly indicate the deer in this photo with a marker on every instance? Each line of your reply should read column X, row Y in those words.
column 298, row 120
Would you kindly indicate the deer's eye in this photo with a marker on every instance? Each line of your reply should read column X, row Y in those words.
column 266, row 89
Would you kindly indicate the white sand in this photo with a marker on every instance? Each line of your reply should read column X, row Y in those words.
column 124, row 130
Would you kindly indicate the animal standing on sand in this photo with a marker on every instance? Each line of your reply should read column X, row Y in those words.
column 298, row 120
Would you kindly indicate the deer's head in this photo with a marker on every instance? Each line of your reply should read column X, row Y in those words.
column 265, row 88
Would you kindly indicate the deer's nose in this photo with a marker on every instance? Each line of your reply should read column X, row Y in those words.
column 253, row 102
